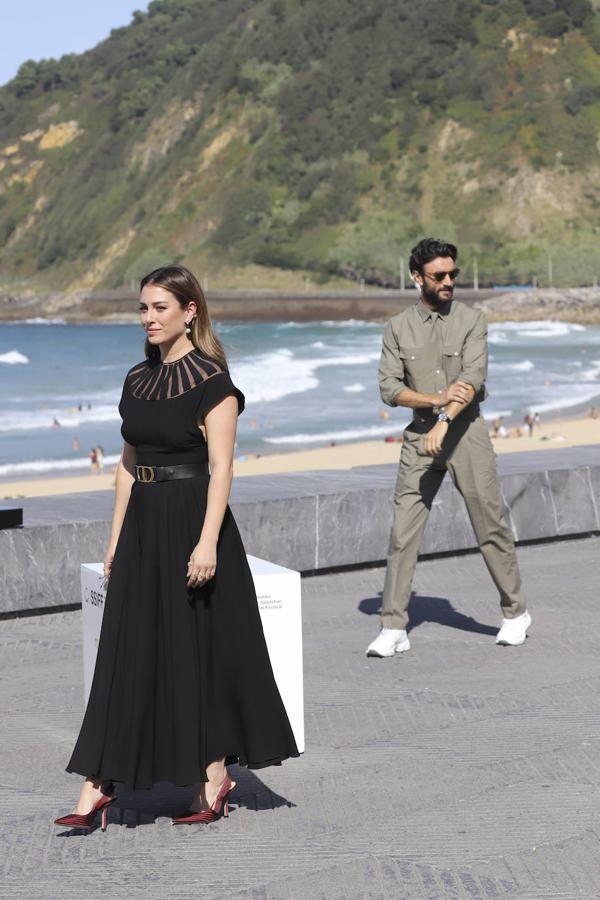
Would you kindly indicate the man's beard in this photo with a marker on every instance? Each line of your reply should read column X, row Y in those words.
column 432, row 297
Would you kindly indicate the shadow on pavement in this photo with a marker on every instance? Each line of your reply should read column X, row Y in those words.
column 135, row 808
column 430, row 609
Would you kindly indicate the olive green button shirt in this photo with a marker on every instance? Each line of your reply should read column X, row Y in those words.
column 428, row 351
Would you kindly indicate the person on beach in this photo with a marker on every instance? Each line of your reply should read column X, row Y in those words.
column 434, row 361
column 503, row 431
column 93, row 457
column 499, row 429
column 183, row 683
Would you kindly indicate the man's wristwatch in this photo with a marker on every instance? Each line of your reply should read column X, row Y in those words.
column 443, row 416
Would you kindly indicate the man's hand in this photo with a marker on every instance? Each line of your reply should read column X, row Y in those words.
column 432, row 444
column 459, row 392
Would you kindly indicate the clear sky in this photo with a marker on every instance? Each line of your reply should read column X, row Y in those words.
column 40, row 29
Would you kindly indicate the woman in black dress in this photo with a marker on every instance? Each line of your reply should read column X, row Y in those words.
column 183, row 681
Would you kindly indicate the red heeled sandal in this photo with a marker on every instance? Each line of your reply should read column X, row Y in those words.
column 74, row 820
column 219, row 807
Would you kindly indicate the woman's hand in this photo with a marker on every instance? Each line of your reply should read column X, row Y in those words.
column 203, row 563
column 434, row 439
column 108, row 560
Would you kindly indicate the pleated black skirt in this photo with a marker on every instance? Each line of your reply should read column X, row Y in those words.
column 182, row 676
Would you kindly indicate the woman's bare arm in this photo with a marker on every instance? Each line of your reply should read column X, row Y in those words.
column 220, row 426
column 124, row 479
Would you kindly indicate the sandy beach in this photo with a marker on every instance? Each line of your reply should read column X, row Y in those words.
column 552, row 434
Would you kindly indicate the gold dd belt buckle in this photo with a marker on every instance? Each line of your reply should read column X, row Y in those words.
column 145, row 473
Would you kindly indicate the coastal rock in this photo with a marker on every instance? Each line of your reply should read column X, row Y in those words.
column 565, row 304
column 17, row 307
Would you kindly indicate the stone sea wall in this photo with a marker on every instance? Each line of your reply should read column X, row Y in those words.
column 309, row 521
column 235, row 305
column 568, row 304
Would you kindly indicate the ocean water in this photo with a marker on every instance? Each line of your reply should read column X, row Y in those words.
column 306, row 384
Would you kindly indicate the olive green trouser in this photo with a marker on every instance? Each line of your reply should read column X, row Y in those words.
column 469, row 457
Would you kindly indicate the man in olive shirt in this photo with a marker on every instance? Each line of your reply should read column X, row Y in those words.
column 434, row 361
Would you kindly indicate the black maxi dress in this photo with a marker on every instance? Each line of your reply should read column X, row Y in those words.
column 182, row 676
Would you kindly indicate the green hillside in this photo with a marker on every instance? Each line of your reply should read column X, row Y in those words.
column 250, row 138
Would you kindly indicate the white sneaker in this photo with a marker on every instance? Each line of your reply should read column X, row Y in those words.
column 388, row 642
column 514, row 631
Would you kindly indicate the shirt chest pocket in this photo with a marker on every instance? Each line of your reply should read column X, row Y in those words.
column 452, row 358
column 416, row 363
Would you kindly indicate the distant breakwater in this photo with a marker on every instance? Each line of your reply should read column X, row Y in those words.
column 235, row 305
column 569, row 304
column 579, row 305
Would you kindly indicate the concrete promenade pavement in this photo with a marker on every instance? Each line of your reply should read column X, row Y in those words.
column 459, row 770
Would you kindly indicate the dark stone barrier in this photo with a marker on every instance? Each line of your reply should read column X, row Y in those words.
column 308, row 521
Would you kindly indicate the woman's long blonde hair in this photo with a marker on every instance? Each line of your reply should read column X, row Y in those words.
column 184, row 286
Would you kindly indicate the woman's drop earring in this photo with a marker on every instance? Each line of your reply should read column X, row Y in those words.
column 188, row 330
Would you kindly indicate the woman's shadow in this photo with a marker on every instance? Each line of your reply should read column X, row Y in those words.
column 430, row 609
column 134, row 808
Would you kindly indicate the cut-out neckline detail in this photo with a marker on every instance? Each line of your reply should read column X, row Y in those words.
column 166, row 362
column 164, row 381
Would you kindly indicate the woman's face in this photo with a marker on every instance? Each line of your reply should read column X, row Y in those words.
column 161, row 315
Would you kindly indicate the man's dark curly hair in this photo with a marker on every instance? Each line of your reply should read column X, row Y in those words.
column 428, row 249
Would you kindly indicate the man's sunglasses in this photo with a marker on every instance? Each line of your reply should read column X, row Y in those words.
column 439, row 276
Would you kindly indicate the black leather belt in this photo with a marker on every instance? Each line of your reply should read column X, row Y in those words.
column 148, row 474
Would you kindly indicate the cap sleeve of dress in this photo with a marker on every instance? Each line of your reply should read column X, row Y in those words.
column 215, row 389
column 133, row 373
column 122, row 398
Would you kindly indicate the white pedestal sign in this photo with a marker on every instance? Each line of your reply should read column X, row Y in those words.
column 278, row 593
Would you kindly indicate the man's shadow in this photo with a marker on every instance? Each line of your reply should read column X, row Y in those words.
column 430, row 609
column 135, row 808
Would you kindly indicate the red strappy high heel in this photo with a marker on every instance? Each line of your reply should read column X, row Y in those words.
column 74, row 820
column 218, row 808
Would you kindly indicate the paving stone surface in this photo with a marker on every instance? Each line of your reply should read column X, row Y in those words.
column 457, row 770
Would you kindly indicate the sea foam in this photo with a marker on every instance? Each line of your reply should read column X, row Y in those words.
column 39, row 466
column 12, row 358
column 525, row 366
column 37, row 419
column 39, row 321
column 505, row 332
column 275, row 375
column 347, row 434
